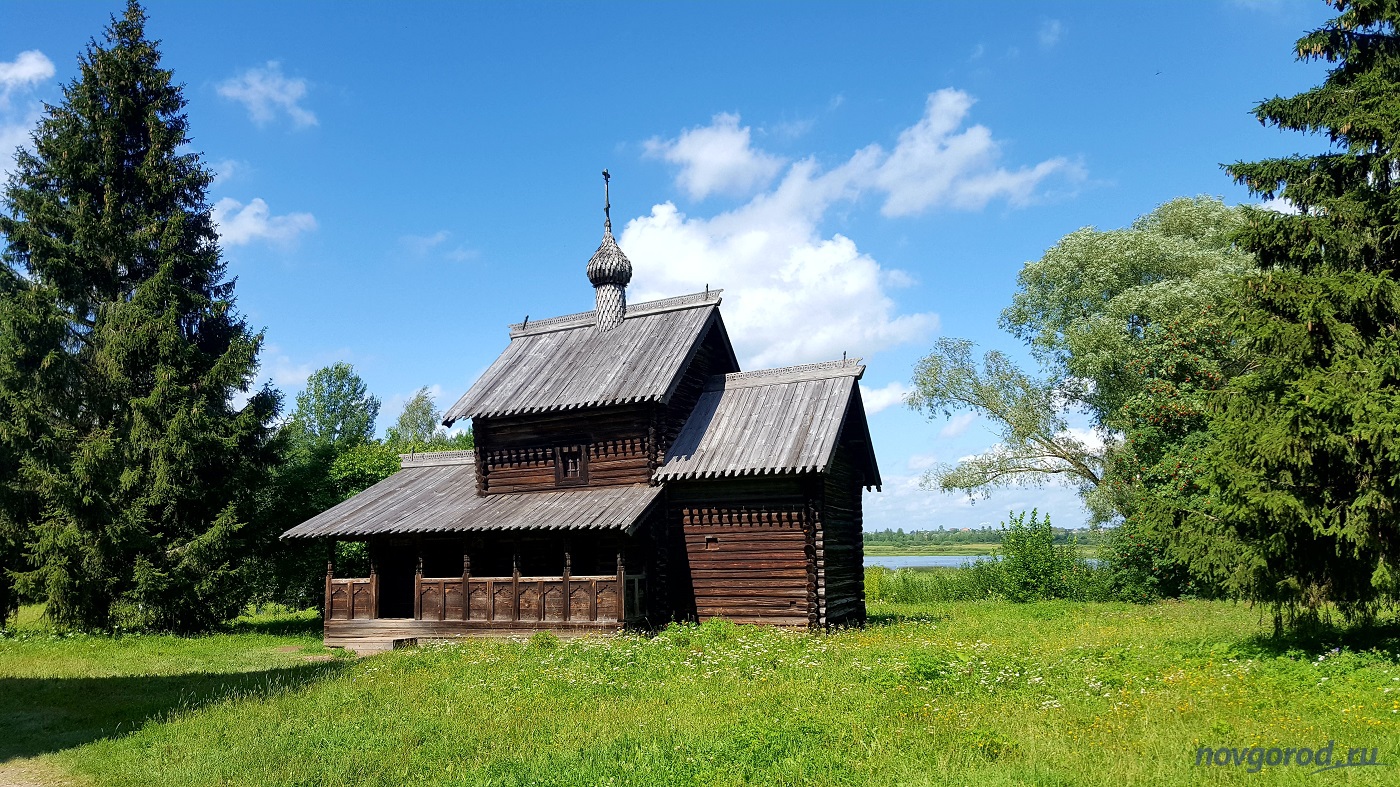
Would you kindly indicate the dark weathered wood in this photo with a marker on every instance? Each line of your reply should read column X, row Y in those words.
column 466, row 585
column 621, row 586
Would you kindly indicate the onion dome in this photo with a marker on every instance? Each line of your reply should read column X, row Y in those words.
column 609, row 270
column 609, row 265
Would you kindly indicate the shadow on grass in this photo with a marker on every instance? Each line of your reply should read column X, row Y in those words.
column 280, row 626
column 1315, row 639
column 42, row 715
column 889, row 617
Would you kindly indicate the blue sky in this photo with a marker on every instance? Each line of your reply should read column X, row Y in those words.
column 397, row 183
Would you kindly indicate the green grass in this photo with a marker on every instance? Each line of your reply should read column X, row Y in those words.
column 980, row 693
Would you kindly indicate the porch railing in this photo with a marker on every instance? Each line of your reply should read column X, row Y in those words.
column 606, row 598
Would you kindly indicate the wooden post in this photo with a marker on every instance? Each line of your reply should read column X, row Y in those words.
column 418, row 586
column 568, row 569
column 466, row 584
column 330, row 574
column 515, row 581
column 373, row 583
column 621, row 586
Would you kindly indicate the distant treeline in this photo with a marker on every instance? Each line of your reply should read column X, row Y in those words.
column 985, row 535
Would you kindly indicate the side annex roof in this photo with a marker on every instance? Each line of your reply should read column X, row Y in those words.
column 436, row 493
column 774, row 421
column 564, row 363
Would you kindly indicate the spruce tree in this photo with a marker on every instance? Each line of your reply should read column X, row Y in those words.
column 1306, row 465
column 122, row 359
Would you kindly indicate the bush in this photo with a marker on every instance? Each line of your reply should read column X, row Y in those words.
column 1141, row 570
column 1029, row 566
column 1033, row 567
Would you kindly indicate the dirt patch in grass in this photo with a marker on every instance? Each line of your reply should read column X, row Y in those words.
column 36, row 773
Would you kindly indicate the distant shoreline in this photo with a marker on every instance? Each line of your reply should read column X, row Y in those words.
column 957, row 550
column 948, row 550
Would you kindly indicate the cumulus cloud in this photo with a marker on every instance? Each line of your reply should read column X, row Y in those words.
column 26, row 72
column 957, row 425
column 904, row 503
column 939, row 163
column 795, row 293
column 226, row 170
column 1280, row 205
column 877, row 399
column 267, row 94
column 1049, row 33
column 716, row 159
column 241, row 224
column 276, row 365
column 14, row 133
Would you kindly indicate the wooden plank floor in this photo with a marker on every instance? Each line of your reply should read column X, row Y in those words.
column 379, row 634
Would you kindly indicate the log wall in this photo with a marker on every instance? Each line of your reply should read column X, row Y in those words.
column 741, row 549
column 520, row 453
column 840, row 547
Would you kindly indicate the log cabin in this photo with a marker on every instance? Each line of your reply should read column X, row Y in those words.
column 626, row 473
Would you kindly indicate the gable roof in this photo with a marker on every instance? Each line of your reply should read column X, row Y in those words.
column 774, row 421
column 564, row 363
column 436, row 492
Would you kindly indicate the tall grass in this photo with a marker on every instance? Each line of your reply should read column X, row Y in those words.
column 981, row 693
column 1028, row 566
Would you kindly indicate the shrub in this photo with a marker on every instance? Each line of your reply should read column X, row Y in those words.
column 1034, row 567
column 1140, row 568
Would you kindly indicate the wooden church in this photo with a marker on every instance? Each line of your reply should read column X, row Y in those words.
column 626, row 473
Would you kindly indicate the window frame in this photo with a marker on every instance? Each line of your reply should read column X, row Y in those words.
column 560, row 454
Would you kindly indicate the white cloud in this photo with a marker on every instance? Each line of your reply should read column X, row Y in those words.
column 717, row 159
column 921, row 462
column 25, row 71
column 423, row 245
column 1280, row 205
column 1089, row 438
column 792, row 129
column 279, row 367
column 241, row 224
column 267, row 93
column 903, row 503
column 226, row 170
column 794, row 296
column 877, row 399
column 1049, row 33
column 14, row 134
column 935, row 164
column 795, row 293
column 957, row 425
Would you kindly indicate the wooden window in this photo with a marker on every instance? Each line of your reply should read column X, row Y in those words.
column 570, row 465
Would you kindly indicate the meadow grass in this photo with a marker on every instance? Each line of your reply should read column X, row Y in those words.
column 978, row 692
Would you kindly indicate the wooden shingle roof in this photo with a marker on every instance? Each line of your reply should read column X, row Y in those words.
column 437, row 493
column 564, row 363
column 774, row 421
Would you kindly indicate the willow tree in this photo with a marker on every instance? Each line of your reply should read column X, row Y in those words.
column 1125, row 327
column 125, row 370
column 1306, row 467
